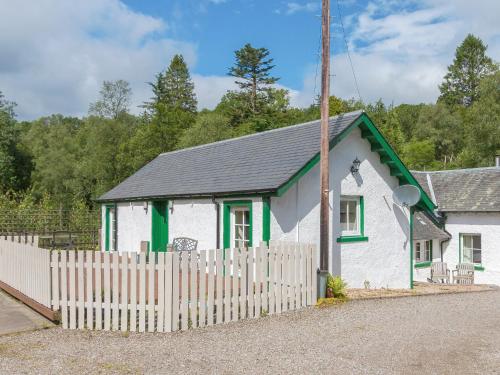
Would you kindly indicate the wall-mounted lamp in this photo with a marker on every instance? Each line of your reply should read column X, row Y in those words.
column 171, row 206
column 145, row 206
column 355, row 166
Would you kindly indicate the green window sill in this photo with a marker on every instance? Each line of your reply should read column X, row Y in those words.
column 477, row 267
column 423, row 264
column 352, row 239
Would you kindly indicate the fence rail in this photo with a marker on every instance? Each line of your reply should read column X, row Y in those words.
column 164, row 292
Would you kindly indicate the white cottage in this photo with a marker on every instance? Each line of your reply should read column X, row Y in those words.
column 468, row 202
column 246, row 190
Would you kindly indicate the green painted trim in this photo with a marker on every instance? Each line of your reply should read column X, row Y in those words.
column 406, row 174
column 159, row 227
column 423, row 264
column 226, row 218
column 107, row 227
column 362, row 216
column 266, row 219
column 477, row 267
column 306, row 168
column 378, row 144
column 411, row 247
column 344, row 239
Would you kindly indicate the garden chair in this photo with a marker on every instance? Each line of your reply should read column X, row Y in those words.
column 464, row 274
column 440, row 273
column 184, row 245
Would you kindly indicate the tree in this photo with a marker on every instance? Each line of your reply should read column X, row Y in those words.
column 252, row 69
column 174, row 88
column 15, row 166
column 482, row 126
column 461, row 83
column 114, row 99
column 209, row 127
column 420, row 155
column 444, row 128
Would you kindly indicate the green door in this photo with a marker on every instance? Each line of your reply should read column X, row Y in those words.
column 159, row 235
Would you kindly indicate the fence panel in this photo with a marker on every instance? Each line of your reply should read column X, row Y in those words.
column 162, row 292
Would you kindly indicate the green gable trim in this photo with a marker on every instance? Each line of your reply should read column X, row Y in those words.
column 266, row 219
column 477, row 267
column 378, row 144
column 226, row 219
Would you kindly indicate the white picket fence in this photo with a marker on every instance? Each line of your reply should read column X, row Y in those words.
column 162, row 292
column 25, row 267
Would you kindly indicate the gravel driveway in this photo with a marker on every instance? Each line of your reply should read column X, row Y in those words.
column 445, row 334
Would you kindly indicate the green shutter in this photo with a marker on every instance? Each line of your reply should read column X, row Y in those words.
column 266, row 219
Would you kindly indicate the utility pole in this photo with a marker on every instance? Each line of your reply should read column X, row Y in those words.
column 324, row 165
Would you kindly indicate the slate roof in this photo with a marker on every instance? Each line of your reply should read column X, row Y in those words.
column 425, row 229
column 255, row 163
column 462, row 190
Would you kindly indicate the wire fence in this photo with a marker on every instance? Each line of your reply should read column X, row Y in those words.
column 55, row 229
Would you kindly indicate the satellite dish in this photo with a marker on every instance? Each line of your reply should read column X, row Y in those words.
column 406, row 195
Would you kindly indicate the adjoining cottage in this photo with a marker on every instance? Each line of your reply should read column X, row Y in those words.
column 265, row 186
column 468, row 202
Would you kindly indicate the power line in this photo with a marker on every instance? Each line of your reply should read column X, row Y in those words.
column 348, row 53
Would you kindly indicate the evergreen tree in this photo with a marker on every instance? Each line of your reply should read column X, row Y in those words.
column 461, row 83
column 252, row 70
column 174, row 88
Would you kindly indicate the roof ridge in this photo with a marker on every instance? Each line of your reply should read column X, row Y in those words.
column 359, row 111
column 460, row 170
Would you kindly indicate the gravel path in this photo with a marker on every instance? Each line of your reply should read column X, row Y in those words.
column 445, row 334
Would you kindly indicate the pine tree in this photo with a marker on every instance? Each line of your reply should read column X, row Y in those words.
column 252, row 68
column 461, row 83
column 174, row 88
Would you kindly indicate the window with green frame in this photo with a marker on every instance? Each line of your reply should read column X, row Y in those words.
column 237, row 224
column 352, row 219
column 423, row 253
column 470, row 250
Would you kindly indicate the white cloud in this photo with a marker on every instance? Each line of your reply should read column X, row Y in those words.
column 56, row 56
column 294, row 7
column 400, row 54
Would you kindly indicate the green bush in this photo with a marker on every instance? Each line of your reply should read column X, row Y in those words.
column 335, row 287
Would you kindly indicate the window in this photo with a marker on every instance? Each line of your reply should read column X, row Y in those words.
column 352, row 219
column 350, row 216
column 241, row 217
column 237, row 216
column 423, row 251
column 428, row 249
column 471, row 248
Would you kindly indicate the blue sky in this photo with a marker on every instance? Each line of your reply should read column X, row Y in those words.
column 55, row 54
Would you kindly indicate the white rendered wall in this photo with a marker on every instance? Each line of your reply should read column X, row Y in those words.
column 422, row 274
column 194, row 218
column 488, row 225
column 134, row 226
column 384, row 260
